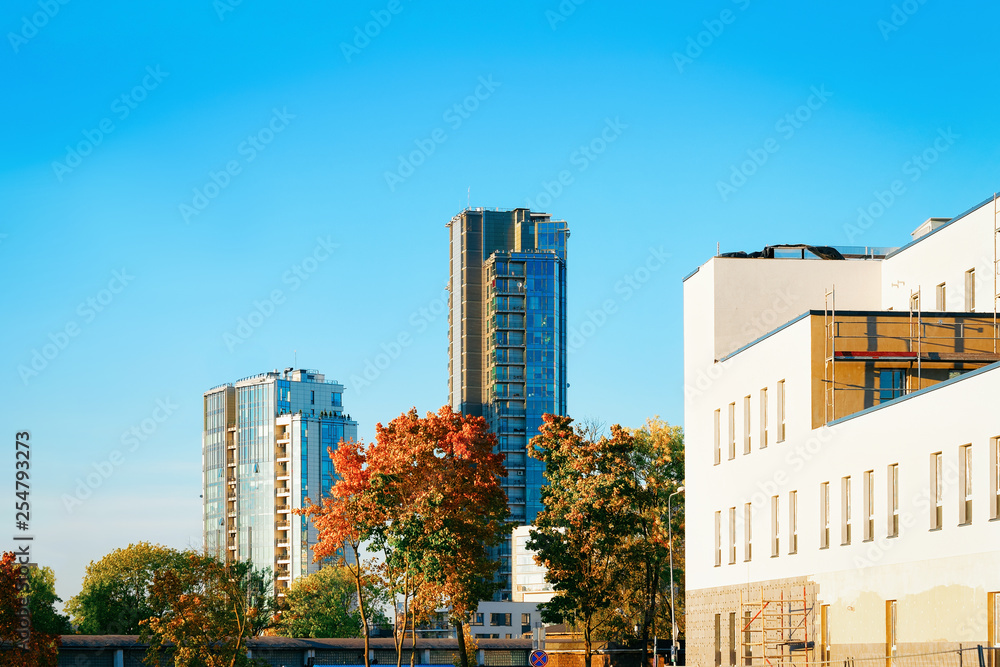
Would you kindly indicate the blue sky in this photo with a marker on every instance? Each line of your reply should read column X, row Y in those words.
column 166, row 171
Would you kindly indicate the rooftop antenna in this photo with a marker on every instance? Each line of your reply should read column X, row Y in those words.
column 717, row 248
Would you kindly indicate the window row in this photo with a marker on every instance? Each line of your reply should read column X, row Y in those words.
column 763, row 435
column 940, row 477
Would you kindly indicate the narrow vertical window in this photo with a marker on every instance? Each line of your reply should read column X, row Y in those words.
column 732, row 535
column 941, row 297
column 718, row 539
column 747, row 640
column 746, row 424
column 845, row 510
column 824, row 633
column 970, row 291
column 937, row 491
column 718, row 640
column 718, row 444
column 892, row 487
column 748, row 531
column 869, row 501
column 890, row 632
column 993, row 621
column 763, row 418
column 995, row 478
column 775, row 527
column 732, row 638
column 824, row 515
column 793, row 522
column 732, row 431
column 781, row 411
column 965, row 484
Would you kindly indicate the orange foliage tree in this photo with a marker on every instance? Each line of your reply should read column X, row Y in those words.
column 40, row 649
column 427, row 495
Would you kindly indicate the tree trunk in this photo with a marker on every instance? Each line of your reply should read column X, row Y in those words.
column 462, row 653
column 587, row 652
column 361, row 600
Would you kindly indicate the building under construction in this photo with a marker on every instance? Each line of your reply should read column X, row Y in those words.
column 843, row 468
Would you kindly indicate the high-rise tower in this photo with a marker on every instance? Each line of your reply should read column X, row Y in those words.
column 264, row 451
column 507, row 336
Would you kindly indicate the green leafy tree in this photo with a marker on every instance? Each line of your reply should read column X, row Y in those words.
column 42, row 589
column 115, row 595
column 209, row 610
column 585, row 531
column 325, row 605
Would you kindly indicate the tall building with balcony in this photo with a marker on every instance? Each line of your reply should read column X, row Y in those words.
column 842, row 465
column 507, row 337
column 264, row 451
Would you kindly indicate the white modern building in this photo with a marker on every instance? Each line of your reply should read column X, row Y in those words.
column 842, row 462
column 264, row 452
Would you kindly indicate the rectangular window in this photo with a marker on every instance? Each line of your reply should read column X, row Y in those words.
column 746, row 424
column 732, row 535
column 892, row 487
column 478, row 619
column 763, row 418
column 890, row 385
column 941, row 297
column 781, row 411
column 732, row 431
column 499, row 619
column 970, row 291
column 748, row 531
column 824, row 633
column 845, row 510
column 869, row 493
column 937, row 491
column 747, row 640
column 312, row 397
column 793, row 522
column 718, row 444
column 775, row 527
column 526, row 619
column 995, row 478
column 965, row 484
column 824, row 515
column 718, row 640
column 890, row 632
column 718, row 539
column 732, row 638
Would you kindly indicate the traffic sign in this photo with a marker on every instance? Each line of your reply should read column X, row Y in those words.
column 538, row 658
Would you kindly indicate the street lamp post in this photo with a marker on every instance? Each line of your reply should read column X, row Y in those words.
column 673, row 617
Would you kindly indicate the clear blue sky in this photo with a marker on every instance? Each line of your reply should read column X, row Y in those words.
column 140, row 104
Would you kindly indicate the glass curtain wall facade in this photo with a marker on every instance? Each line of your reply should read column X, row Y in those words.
column 264, row 446
column 507, row 338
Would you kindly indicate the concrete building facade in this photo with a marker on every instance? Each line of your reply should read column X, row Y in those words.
column 264, row 452
column 843, row 469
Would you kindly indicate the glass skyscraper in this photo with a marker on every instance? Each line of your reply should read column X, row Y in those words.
column 507, row 337
column 264, row 451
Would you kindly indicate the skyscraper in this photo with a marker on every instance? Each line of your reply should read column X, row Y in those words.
column 507, row 337
column 264, row 451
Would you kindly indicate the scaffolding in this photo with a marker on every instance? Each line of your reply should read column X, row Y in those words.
column 775, row 630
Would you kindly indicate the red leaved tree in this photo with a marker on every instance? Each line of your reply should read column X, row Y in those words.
column 40, row 649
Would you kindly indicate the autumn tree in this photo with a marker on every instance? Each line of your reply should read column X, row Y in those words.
column 39, row 648
column 324, row 604
column 115, row 595
column 426, row 495
column 209, row 610
column 586, row 528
